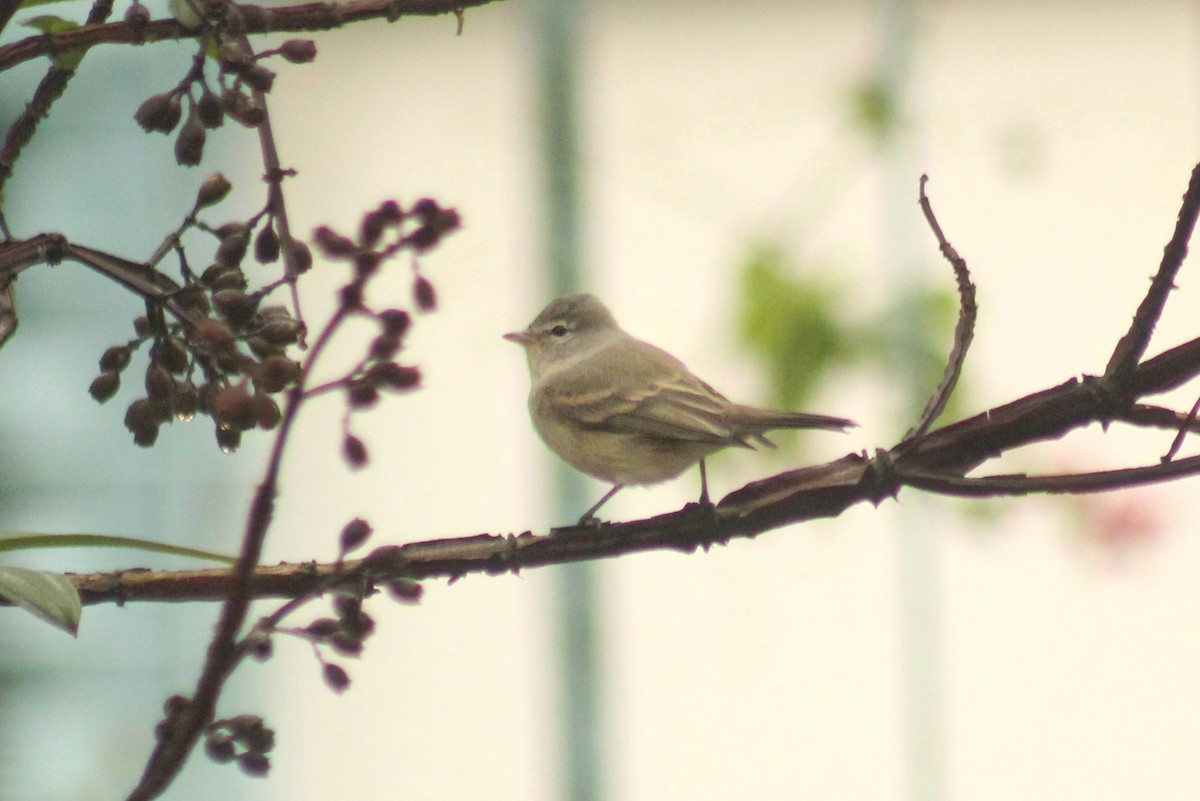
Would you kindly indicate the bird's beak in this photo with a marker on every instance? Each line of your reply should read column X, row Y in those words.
column 522, row 338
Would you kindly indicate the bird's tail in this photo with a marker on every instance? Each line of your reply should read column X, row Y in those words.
column 759, row 420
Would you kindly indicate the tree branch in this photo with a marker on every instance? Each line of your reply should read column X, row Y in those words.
column 258, row 19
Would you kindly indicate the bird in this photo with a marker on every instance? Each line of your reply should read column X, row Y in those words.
column 627, row 412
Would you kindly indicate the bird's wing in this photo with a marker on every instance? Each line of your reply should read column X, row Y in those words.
column 659, row 399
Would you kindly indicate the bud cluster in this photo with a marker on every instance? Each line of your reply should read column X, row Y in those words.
column 244, row 739
column 241, row 81
column 383, row 232
column 226, row 355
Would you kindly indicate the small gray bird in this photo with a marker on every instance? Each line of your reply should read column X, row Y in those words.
column 626, row 412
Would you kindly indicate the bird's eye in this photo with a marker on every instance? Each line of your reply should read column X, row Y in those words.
column 560, row 331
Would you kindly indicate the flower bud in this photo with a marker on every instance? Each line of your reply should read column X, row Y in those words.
column 215, row 188
column 115, row 358
column 105, row 385
column 141, row 418
column 160, row 387
column 136, row 16
column 362, row 394
column 276, row 373
column 228, row 439
column 170, row 353
column 233, row 246
column 208, row 108
column 235, row 306
column 266, row 245
column 212, row 336
column 266, row 411
column 394, row 376
column 259, row 78
column 423, row 294
column 395, row 322
column 355, row 451
column 336, row 677
column 299, row 258
column 253, row 763
column 298, row 51
column 159, row 113
column 354, row 534
column 333, row 244
column 189, row 144
column 233, row 407
column 218, row 746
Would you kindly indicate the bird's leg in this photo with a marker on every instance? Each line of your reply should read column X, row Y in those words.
column 589, row 517
column 704, row 501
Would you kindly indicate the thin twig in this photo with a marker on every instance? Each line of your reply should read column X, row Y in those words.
column 964, row 330
column 1132, row 346
column 171, row 751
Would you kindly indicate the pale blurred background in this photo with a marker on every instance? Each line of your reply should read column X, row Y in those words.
column 927, row 649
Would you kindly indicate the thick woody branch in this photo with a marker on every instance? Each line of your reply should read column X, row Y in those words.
column 258, row 19
column 933, row 463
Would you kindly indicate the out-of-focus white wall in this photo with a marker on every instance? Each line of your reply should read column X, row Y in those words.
column 1058, row 138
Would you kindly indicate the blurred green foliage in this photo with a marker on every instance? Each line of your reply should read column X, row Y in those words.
column 803, row 326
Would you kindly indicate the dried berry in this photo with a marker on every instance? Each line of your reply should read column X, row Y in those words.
column 215, row 188
column 115, row 358
column 233, row 245
column 235, row 306
column 394, row 376
column 160, row 387
column 137, row 15
column 323, row 628
column 159, row 113
column 333, row 244
column 228, row 439
column 266, row 245
column 233, row 408
column 242, row 108
column 189, row 144
column 395, row 322
column 212, row 335
column 209, row 110
column 258, row 78
column 187, row 399
column 219, row 747
column 253, row 763
column 281, row 330
column 105, row 385
column 362, row 394
column 354, row 534
column 266, row 410
column 170, row 353
column 346, row 644
column 232, row 56
column 276, row 373
column 141, row 418
column 298, row 51
column 423, row 294
column 405, row 590
column 355, row 451
column 336, row 677
column 299, row 258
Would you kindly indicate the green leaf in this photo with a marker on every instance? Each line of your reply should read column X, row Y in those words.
column 50, row 24
column 791, row 323
column 49, row 596
column 31, row 3
column 25, row 540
